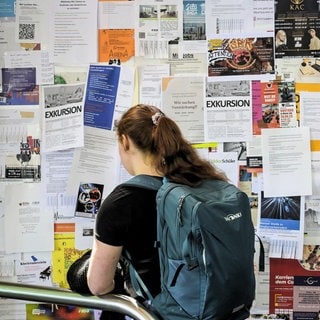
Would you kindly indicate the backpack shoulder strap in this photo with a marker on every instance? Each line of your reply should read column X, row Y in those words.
column 152, row 183
column 136, row 281
column 144, row 181
column 261, row 255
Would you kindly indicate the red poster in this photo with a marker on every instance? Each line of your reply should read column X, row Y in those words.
column 282, row 272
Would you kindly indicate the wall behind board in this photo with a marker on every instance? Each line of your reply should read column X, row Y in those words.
column 242, row 80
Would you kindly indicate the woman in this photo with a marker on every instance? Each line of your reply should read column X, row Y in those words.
column 150, row 144
column 281, row 40
column 314, row 40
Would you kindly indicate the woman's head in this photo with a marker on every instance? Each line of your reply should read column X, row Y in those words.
column 312, row 32
column 160, row 139
column 281, row 37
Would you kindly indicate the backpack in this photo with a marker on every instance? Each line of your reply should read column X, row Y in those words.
column 206, row 249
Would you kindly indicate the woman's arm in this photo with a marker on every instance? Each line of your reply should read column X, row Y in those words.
column 102, row 266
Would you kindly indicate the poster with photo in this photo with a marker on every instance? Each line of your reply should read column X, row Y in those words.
column 281, row 220
column 241, row 56
column 19, row 87
column 25, row 163
column 54, row 311
column 194, row 24
column 297, row 27
column 89, row 199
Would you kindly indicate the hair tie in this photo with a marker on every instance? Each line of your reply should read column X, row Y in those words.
column 155, row 118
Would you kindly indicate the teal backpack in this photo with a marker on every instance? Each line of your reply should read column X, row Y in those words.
column 206, row 248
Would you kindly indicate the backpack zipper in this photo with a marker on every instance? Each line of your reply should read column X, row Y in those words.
column 179, row 207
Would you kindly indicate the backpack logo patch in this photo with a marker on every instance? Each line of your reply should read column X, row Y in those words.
column 231, row 217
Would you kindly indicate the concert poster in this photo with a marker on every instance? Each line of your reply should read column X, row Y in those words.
column 297, row 27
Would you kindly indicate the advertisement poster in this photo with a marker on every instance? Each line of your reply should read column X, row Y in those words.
column 276, row 107
column 17, row 79
column 101, row 93
column 256, row 97
column 19, row 87
column 306, row 298
column 89, row 199
column 194, row 24
column 268, row 110
column 282, row 278
column 158, row 28
column 20, row 137
column 25, row 163
column 115, row 31
column 297, row 26
column 241, row 56
column 281, row 220
column 54, row 311
column 34, row 268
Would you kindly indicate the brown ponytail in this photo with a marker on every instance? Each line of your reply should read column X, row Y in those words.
column 159, row 136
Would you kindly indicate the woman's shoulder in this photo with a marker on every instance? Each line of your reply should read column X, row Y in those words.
column 125, row 192
column 124, row 200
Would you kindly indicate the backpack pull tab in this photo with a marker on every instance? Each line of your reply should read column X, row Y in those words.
column 176, row 274
column 179, row 206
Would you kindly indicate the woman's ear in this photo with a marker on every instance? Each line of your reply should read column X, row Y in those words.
column 125, row 142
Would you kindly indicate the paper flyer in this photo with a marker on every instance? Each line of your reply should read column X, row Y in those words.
column 100, row 97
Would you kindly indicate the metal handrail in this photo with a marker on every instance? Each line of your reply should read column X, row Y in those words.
column 110, row 302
